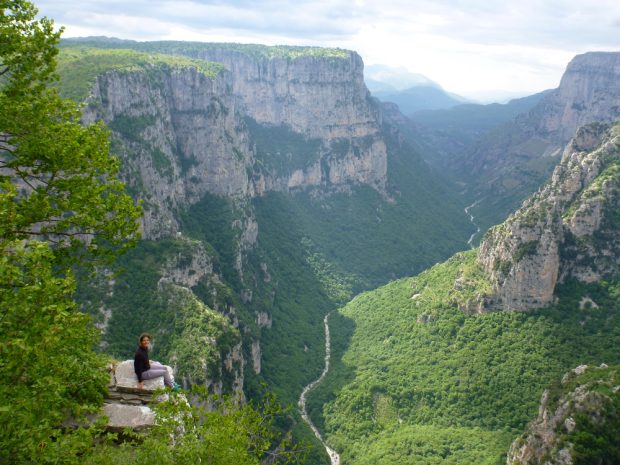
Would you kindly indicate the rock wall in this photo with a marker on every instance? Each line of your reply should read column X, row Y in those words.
column 589, row 91
column 585, row 397
column 178, row 134
column 566, row 230
column 320, row 97
column 181, row 134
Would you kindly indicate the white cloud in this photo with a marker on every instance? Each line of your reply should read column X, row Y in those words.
column 468, row 46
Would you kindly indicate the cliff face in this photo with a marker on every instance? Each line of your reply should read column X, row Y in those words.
column 182, row 134
column 589, row 91
column 510, row 162
column 569, row 229
column 319, row 97
column 577, row 421
column 176, row 131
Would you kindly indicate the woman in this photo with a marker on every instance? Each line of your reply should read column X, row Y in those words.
column 145, row 369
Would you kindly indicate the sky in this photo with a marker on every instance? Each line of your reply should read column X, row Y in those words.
column 486, row 50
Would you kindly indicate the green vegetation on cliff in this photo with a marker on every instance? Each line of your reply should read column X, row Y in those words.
column 578, row 421
column 80, row 66
column 597, row 428
column 289, row 52
column 417, row 366
column 185, row 329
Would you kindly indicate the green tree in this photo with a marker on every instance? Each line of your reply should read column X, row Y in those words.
column 61, row 206
column 57, row 175
column 216, row 433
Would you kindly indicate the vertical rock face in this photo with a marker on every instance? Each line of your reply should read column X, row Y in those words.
column 567, row 230
column 180, row 136
column 320, row 97
column 589, row 91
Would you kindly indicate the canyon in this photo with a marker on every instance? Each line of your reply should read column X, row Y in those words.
column 276, row 188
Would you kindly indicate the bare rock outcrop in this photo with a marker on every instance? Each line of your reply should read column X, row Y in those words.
column 589, row 91
column 566, row 230
column 320, row 97
column 126, row 405
column 583, row 404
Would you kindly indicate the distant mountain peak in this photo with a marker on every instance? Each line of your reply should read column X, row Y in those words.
column 397, row 79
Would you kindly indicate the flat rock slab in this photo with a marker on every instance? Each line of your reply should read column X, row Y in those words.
column 127, row 381
column 136, row 417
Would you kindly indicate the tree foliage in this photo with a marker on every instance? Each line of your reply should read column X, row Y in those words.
column 57, row 177
column 60, row 206
column 416, row 366
column 220, row 434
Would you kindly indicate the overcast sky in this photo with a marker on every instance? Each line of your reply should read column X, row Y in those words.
column 481, row 49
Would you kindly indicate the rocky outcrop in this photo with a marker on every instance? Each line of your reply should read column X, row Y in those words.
column 179, row 136
column 582, row 406
column 589, row 91
column 126, row 405
column 189, row 266
column 256, row 356
column 567, row 230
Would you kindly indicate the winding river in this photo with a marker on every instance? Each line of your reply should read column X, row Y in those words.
column 471, row 218
column 333, row 455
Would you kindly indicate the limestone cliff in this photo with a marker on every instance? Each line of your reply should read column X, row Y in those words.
column 510, row 162
column 269, row 123
column 569, row 229
column 179, row 136
column 577, row 421
column 589, row 91
column 320, row 97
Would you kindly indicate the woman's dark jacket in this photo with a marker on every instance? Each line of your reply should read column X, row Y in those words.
column 141, row 362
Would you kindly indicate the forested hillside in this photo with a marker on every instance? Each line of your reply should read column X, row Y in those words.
column 436, row 369
column 421, row 382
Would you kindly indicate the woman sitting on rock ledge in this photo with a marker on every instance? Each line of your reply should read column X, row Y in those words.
column 145, row 369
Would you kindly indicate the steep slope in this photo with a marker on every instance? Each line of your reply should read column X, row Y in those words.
column 425, row 360
column 567, row 230
column 503, row 166
column 269, row 206
column 578, row 421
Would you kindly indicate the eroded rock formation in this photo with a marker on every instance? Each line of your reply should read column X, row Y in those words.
column 567, row 230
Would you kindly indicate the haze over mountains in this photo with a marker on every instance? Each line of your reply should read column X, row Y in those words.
column 411, row 92
column 276, row 188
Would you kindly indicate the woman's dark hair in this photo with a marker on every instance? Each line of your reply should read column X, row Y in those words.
column 143, row 335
